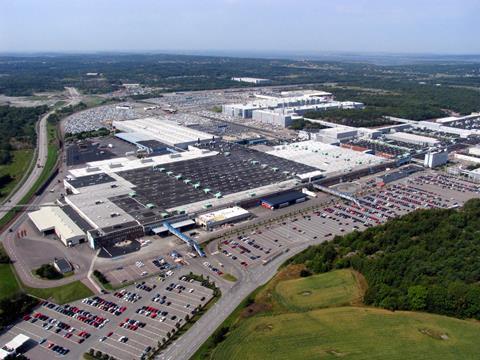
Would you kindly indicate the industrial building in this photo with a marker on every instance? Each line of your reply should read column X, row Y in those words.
column 250, row 80
column 436, row 158
column 329, row 159
column 412, row 139
column 397, row 174
column 218, row 218
column 164, row 131
column 126, row 198
column 145, row 143
column 264, row 102
column 278, row 118
column 52, row 219
column 279, row 201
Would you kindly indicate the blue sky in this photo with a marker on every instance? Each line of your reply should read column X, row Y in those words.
column 397, row 26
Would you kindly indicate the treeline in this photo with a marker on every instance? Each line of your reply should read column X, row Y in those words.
column 302, row 124
column 426, row 261
column 17, row 129
column 65, row 111
column 368, row 117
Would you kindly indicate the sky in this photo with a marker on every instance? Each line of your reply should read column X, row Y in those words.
column 387, row 26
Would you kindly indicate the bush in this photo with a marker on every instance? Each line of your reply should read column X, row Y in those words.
column 103, row 280
column 305, row 273
column 47, row 271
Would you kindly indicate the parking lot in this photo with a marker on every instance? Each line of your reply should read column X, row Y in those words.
column 125, row 323
column 378, row 205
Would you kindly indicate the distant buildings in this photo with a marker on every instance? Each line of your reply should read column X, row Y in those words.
column 256, row 81
column 282, row 110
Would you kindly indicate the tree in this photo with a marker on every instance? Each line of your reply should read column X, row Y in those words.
column 417, row 297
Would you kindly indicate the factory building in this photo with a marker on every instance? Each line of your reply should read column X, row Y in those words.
column 278, row 118
column 52, row 219
column 396, row 175
column 336, row 135
column 412, row 139
column 270, row 102
column 279, row 201
column 164, row 131
column 251, row 80
column 218, row 218
column 437, row 158
column 145, row 143
column 329, row 159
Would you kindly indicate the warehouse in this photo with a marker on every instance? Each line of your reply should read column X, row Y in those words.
column 218, row 218
column 251, row 80
column 164, row 131
column 329, row 159
column 412, row 139
column 279, row 201
column 145, row 143
column 52, row 219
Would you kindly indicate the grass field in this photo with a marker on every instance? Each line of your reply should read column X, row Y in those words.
column 16, row 169
column 313, row 318
column 8, row 282
column 62, row 294
column 335, row 288
column 352, row 333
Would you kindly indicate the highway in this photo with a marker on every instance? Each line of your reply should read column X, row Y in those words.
column 41, row 154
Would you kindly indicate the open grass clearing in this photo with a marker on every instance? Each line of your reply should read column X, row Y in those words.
column 8, row 282
column 62, row 294
column 351, row 333
column 335, row 288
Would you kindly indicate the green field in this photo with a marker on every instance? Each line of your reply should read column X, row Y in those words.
column 62, row 294
column 319, row 291
column 352, row 333
column 313, row 318
column 8, row 282
column 16, row 169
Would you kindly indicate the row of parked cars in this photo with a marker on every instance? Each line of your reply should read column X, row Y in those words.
column 129, row 296
column 105, row 305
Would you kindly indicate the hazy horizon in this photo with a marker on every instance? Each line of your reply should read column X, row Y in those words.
column 430, row 27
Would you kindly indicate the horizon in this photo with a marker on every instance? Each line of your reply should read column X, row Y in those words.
column 232, row 26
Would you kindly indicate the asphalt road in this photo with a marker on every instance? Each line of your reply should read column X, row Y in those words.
column 41, row 153
column 188, row 343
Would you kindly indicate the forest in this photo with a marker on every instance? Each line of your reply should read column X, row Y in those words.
column 17, row 129
column 426, row 261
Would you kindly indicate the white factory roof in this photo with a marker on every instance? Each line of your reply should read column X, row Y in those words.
column 121, row 164
column 165, row 131
column 53, row 217
column 93, row 205
column 325, row 157
column 133, row 137
column 222, row 215
column 401, row 136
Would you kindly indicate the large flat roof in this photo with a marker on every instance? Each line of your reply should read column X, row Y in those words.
column 165, row 131
column 325, row 157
